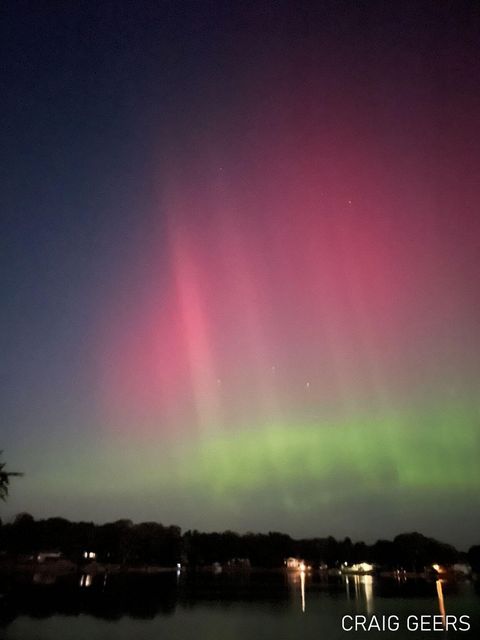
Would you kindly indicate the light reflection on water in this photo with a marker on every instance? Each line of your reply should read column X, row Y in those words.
column 362, row 589
column 86, row 580
column 302, row 589
column 265, row 606
column 441, row 602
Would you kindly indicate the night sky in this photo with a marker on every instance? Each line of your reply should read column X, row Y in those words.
column 240, row 264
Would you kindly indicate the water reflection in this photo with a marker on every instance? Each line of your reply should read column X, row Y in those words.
column 302, row 589
column 86, row 580
column 362, row 588
column 361, row 585
column 266, row 597
column 441, row 602
column 296, row 580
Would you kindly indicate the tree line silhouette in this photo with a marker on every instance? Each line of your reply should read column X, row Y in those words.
column 150, row 543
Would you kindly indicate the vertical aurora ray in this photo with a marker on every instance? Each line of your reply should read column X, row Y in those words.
column 192, row 318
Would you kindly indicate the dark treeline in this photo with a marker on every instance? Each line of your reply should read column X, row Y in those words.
column 123, row 542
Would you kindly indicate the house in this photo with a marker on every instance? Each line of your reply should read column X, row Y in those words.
column 361, row 567
column 295, row 564
column 462, row 569
column 49, row 556
column 238, row 564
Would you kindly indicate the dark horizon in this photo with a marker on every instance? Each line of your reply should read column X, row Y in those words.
column 247, row 532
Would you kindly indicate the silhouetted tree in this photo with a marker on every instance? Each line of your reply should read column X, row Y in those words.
column 5, row 479
column 416, row 552
column 474, row 558
column 385, row 555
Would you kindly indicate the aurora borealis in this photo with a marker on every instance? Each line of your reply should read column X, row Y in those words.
column 242, row 254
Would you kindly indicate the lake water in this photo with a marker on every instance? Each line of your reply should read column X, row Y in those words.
column 261, row 606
